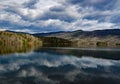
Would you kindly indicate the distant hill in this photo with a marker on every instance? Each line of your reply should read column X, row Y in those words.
column 102, row 38
column 82, row 34
column 16, row 32
column 50, row 33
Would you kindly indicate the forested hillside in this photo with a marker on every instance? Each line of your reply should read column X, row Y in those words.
column 55, row 42
column 10, row 42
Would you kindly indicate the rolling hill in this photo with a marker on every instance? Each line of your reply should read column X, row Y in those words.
column 104, row 38
column 82, row 34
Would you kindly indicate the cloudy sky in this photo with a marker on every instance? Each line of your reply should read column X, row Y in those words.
column 59, row 15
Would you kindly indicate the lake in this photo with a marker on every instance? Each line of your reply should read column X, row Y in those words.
column 61, row 66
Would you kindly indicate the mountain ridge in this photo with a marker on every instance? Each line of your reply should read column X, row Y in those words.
column 79, row 32
column 82, row 34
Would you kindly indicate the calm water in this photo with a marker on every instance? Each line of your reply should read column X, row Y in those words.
column 61, row 66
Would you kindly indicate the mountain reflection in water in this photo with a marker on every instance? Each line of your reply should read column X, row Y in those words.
column 61, row 66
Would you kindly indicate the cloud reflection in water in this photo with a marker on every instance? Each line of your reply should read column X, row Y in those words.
column 44, row 68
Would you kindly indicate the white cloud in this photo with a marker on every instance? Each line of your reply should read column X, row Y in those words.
column 71, row 17
column 30, row 13
column 90, row 25
column 24, row 30
column 73, row 11
column 13, row 3
column 52, row 22
column 3, row 28
column 13, row 19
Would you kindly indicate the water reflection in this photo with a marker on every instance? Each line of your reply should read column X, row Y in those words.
column 106, row 53
column 8, row 49
column 59, row 66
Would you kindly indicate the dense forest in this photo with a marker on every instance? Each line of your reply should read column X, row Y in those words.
column 16, row 42
column 55, row 42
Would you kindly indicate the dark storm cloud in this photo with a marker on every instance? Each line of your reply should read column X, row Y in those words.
column 57, row 9
column 31, row 3
column 57, row 15
column 115, row 19
column 97, row 4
